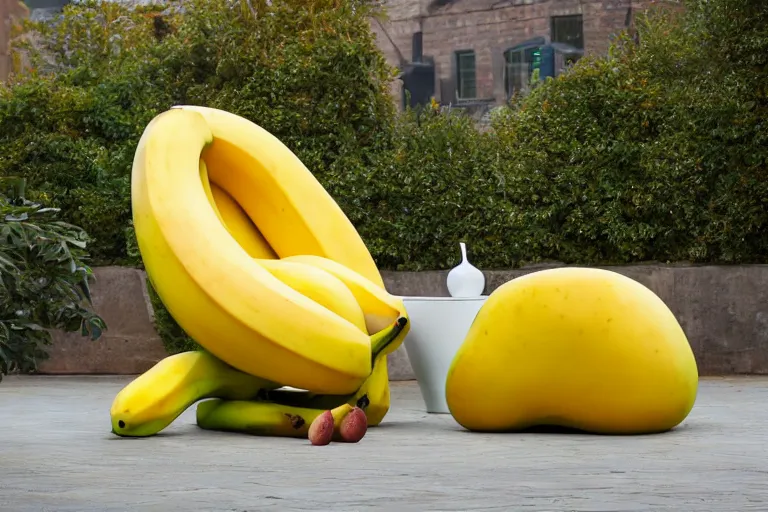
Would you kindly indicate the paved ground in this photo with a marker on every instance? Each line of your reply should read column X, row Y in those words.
column 56, row 454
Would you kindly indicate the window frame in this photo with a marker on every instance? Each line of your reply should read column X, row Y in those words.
column 524, row 68
column 457, row 56
column 553, row 33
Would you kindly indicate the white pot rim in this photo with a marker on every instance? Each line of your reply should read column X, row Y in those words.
column 414, row 298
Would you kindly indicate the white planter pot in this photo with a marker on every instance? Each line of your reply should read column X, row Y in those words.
column 438, row 328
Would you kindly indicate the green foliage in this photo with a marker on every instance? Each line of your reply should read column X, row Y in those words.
column 308, row 71
column 174, row 338
column 655, row 152
column 438, row 184
column 43, row 280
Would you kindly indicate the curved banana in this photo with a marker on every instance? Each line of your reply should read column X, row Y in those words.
column 320, row 286
column 291, row 209
column 373, row 397
column 262, row 418
column 380, row 308
column 235, row 219
column 312, row 281
column 228, row 302
column 153, row 400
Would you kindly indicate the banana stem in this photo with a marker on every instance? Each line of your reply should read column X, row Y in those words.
column 379, row 342
column 385, row 341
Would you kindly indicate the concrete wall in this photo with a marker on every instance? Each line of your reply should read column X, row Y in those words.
column 723, row 310
column 130, row 345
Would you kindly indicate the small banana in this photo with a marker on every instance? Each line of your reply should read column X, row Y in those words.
column 262, row 418
column 151, row 402
column 290, row 413
column 373, row 397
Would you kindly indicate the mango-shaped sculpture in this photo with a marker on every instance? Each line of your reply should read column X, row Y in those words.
column 580, row 348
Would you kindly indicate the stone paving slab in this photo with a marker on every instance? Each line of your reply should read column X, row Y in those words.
column 56, row 454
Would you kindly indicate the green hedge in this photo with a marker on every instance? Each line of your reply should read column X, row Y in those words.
column 656, row 151
column 308, row 71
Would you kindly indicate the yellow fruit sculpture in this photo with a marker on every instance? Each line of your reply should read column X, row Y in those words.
column 258, row 264
column 157, row 397
column 582, row 348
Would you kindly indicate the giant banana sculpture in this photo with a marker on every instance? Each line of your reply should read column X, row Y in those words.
column 257, row 263
column 157, row 397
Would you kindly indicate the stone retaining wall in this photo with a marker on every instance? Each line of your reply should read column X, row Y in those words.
column 723, row 310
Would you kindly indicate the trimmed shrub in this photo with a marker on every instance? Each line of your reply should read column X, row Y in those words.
column 441, row 182
column 308, row 71
column 656, row 151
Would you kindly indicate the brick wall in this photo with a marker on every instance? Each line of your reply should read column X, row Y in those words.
column 489, row 27
column 9, row 9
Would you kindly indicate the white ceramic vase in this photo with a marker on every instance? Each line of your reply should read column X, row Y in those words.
column 465, row 280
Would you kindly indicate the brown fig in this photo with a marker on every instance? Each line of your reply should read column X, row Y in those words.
column 321, row 429
column 353, row 426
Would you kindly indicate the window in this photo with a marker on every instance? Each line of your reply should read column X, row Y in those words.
column 520, row 63
column 466, row 78
column 568, row 30
column 514, row 72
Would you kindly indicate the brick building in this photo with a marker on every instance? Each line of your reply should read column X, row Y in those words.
column 472, row 52
column 9, row 10
column 478, row 52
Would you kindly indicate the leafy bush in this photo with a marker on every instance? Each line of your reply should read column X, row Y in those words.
column 653, row 152
column 43, row 280
column 657, row 151
column 439, row 183
column 308, row 71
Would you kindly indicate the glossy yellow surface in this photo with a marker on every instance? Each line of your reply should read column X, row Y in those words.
column 150, row 402
column 573, row 347
column 379, row 307
column 200, row 258
column 320, row 286
column 235, row 219
column 291, row 209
